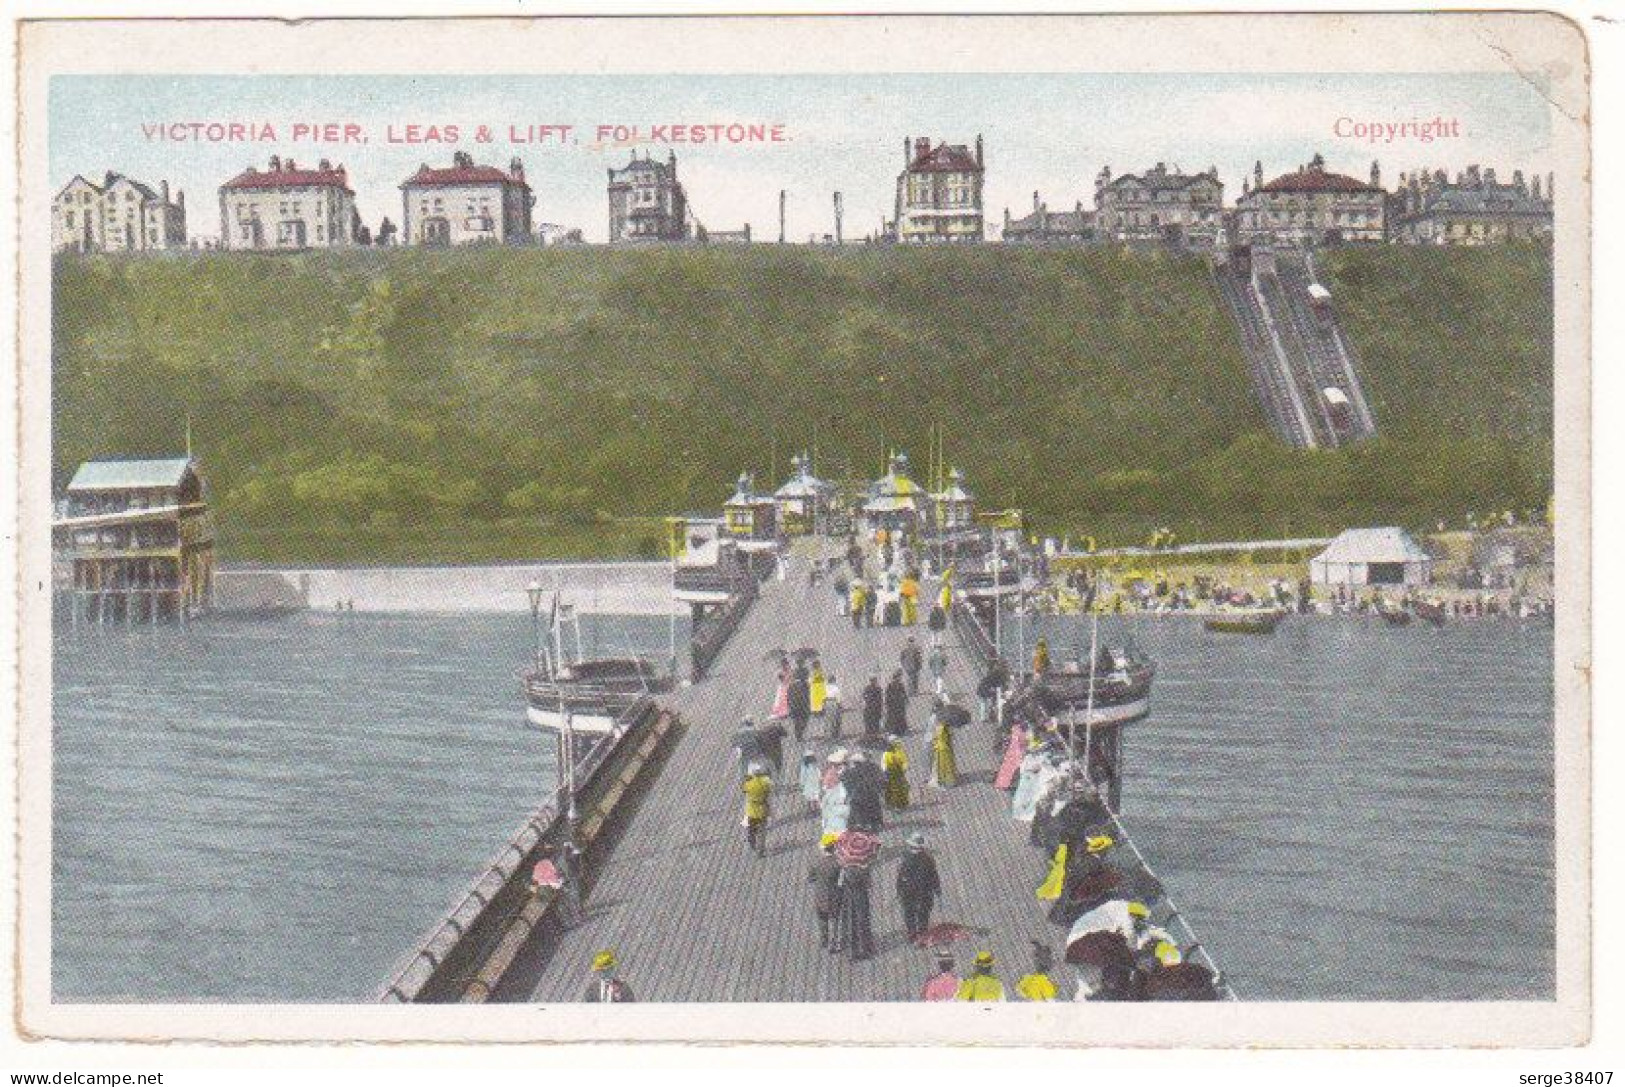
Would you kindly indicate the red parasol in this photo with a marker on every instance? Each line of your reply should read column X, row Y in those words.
column 856, row 849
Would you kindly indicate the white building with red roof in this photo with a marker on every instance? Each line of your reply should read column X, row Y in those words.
column 1312, row 206
column 939, row 194
column 464, row 204
column 288, row 207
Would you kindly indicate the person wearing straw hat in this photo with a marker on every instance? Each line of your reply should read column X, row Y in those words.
column 605, row 987
column 918, row 886
column 1038, row 985
column 834, row 803
column 825, row 877
column 982, row 985
column 758, row 790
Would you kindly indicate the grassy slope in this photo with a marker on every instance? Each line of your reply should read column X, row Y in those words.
column 414, row 391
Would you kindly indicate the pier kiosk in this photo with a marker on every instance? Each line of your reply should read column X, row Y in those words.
column 804, row 500
column 138, row 539
column 896, row 502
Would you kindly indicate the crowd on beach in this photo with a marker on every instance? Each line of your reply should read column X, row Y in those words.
column 867, row 775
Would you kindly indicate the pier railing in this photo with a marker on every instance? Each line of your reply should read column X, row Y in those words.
column 975, row 636
column 467, row 953
column 711, row 633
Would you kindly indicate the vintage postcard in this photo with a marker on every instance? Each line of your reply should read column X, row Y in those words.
column 1059, row 530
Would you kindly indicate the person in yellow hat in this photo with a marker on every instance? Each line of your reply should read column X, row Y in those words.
column 825, row 877
column 605, row 987
column 982, row 985
column 1038, row 985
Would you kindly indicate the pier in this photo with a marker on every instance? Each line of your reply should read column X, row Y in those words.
column 696, row 916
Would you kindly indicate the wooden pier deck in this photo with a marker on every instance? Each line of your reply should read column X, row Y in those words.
column 693, row 915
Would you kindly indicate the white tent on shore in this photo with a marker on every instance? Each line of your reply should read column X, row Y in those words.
column 1372, row 556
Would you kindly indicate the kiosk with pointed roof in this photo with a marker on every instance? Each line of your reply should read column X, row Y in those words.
column 750, row 518
column 895, row 500
column 803, row 501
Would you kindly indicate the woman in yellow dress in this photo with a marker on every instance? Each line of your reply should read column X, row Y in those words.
column 944, row 768
column 895, row 763
column 909, row 590
column 817, row 689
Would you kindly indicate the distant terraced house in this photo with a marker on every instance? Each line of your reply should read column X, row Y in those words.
column 1160, row 205
column 1046, row 227
column 288, row 207
column 119, row 215
column 1476, row 208
column 1312, row 206
column 466, row 204
column 939, row 194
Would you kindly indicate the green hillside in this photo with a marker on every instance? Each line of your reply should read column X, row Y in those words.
column 503, row 403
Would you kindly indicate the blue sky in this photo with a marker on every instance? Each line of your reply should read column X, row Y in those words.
column 1046, row 132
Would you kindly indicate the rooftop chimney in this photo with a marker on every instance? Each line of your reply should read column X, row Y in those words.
column 517, row 169
column 163, row 191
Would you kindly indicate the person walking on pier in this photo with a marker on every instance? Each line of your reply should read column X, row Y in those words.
column 1041, row 657
column 781, row 694
column 863, row 793
column 871, row 599
column 896, row 706
column 834, row 802
column 1038, row 985
column 832, row 707
column 992, row 685
column 944, row 984
column 918, row 887
column 817, row 689
column 605, row 987
column 843, row 591
column 811, row 781
column 909, row 591
column 747, row 745
column 937, row 663
column 912, row 661
column 859, row 602
column 944, row 767
column 855, row 851
column 874, row 706
column 982, row 985
column 800, row 702
column 825, row 877
column 758, row 790
column 895, row 763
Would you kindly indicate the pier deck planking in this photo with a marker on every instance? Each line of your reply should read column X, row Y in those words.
column 694, row 916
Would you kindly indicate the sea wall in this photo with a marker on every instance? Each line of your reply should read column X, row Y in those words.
column 618, row 588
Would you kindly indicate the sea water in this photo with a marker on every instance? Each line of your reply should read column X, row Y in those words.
column 278, row 810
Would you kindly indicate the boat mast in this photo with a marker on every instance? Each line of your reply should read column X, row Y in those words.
column 671, row 624
column 567, row 754
column 1089, row 704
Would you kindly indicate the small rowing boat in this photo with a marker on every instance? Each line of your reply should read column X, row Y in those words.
column 1248, row 622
